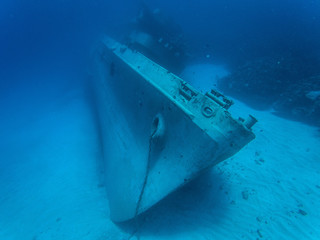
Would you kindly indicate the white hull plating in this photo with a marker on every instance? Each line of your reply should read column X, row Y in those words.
column 158, row 132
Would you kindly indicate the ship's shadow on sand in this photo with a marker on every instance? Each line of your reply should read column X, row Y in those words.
column 200, row 203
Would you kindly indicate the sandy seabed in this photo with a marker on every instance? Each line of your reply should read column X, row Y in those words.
column 50, row 183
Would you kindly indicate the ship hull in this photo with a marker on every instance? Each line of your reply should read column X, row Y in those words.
column 156, row 132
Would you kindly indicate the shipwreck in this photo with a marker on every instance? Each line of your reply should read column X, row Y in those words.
column 158, row 132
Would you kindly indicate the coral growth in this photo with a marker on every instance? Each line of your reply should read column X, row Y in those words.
column 289, row 85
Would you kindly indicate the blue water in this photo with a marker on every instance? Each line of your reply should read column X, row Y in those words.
column 50, row 176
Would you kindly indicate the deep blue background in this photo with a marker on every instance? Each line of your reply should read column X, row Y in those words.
column 47, row 38
column 231, row 30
